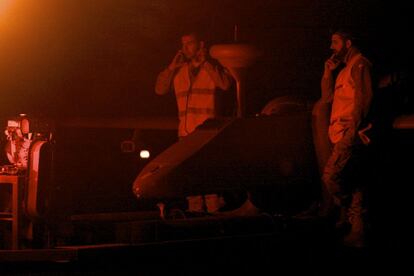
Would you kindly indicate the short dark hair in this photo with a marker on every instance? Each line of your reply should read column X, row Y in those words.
column 192, row 33
column 345, row 34
column 193, row 29
column 348, row 34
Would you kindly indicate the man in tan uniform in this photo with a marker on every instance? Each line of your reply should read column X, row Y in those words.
column 350, row 96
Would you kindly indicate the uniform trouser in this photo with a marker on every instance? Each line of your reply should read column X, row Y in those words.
column 344, row 170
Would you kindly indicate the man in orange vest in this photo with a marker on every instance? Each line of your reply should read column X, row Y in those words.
column 350, row 96
column 196, row 80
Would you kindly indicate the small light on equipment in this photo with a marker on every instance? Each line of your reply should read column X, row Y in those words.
column 144, row 154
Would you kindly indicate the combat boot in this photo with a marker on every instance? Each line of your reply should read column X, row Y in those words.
column 195, row 204
column 213, row 203
column 356, row 215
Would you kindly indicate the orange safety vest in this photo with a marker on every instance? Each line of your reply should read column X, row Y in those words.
column 343, row 102
column 195, row 100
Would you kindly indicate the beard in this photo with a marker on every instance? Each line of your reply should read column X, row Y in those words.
column 340, row 55
column 190, row 54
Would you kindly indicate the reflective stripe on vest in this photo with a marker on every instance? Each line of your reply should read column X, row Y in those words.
column 195, row 101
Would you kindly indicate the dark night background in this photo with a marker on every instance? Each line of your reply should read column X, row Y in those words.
column 61, row 59
column 98, row 58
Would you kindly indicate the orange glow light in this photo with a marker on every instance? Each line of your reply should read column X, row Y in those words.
column 3, row 5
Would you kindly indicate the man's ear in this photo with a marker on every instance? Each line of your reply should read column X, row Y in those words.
column 348, row 43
